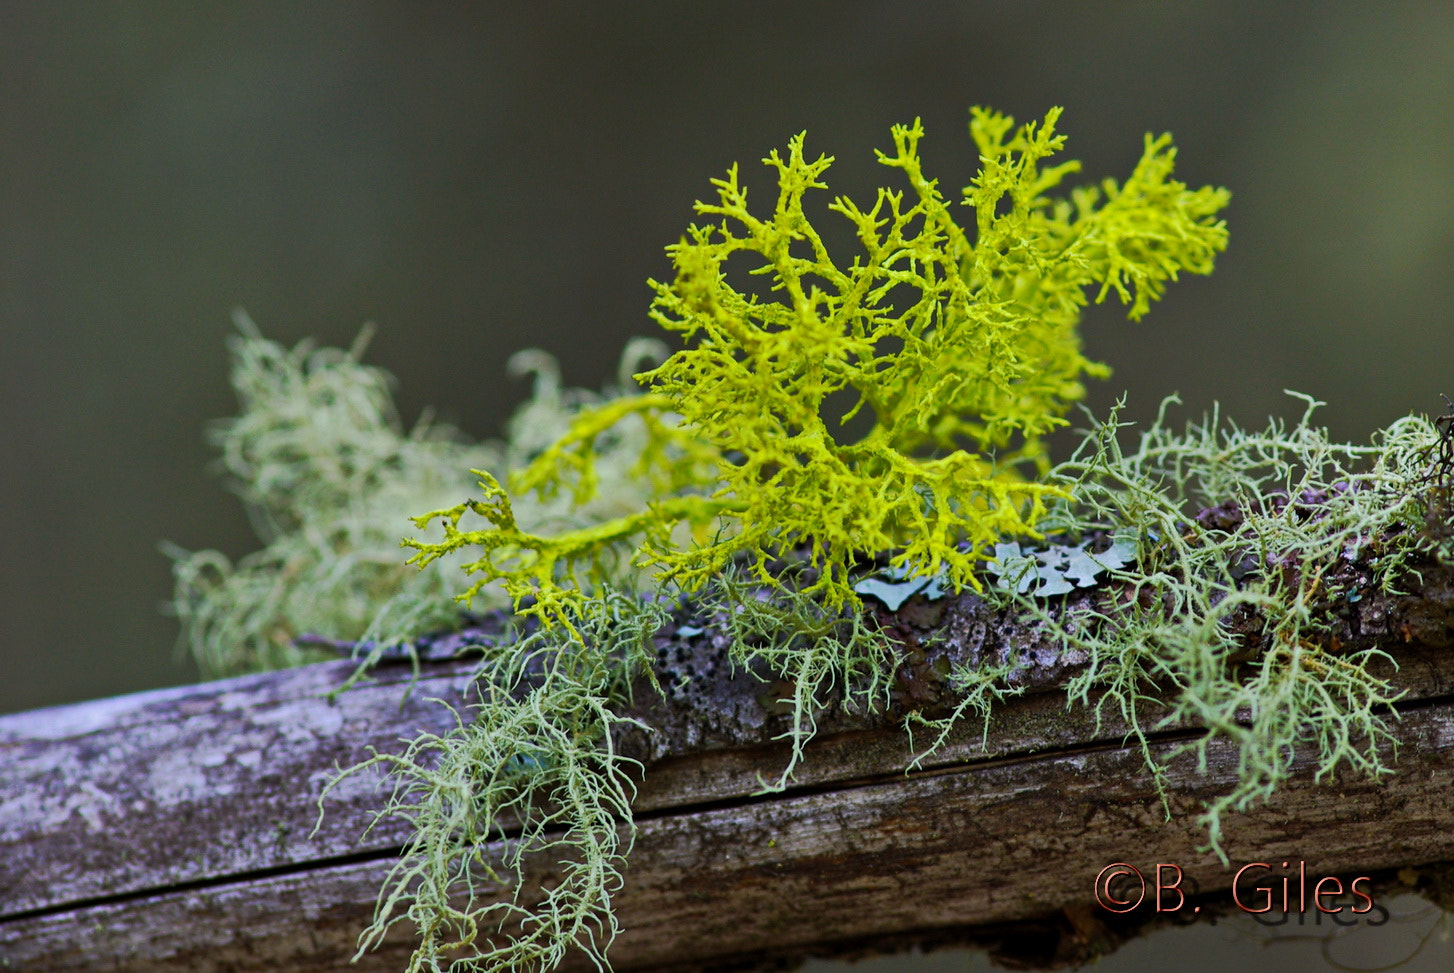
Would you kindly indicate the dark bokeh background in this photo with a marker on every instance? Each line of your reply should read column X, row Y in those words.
column 479, row 178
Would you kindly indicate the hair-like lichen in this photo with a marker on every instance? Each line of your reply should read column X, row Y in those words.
column 327, row 475
column 1208, row 553
column 1288, row 503
column 531, row 774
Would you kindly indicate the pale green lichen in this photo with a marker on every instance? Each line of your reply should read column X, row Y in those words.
column 327, row 474
column 963, row 351
column 819, row 651
column 726, row 469
column 1159, row 653
column 1165, row 644
column 531, row 776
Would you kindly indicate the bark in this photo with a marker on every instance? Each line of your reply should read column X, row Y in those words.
column 173, row 830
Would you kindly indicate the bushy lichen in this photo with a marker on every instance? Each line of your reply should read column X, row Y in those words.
column 1222, row 621
column 726, row 468
column 321, row 463
column 327, row 475
column 963, row 350
column 1218, row 621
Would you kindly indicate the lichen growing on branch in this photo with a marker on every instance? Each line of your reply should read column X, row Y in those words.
column 736, row 460
column 328, row 473
column 960, row 346
column 1247, row 542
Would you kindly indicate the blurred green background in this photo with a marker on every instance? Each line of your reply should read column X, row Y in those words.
column 478, row 178
column 485, row 177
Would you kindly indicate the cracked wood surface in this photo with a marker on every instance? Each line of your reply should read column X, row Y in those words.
column 170, row 830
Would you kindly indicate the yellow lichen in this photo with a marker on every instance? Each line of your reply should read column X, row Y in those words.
column 964, row 352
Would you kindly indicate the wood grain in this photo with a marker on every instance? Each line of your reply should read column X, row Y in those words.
column 171, row 830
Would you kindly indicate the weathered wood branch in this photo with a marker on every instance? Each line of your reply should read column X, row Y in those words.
column 171, row 830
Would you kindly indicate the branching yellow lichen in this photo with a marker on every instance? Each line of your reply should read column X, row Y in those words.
column 734, row 463
column 964, row 352
column 328, row 473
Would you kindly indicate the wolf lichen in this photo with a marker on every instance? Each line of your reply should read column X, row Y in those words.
column 962, row 347
column 1194, row 573
column 1232, row 549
